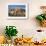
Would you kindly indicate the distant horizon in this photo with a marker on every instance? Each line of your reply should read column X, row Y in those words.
column 16, row 6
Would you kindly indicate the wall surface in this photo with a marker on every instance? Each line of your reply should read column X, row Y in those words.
column 26, row 27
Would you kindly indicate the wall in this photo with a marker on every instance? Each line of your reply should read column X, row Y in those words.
column 25, row 27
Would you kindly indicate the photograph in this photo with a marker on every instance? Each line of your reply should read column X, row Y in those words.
column 17, row 11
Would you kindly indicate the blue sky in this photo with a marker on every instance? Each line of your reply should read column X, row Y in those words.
column 15, row 6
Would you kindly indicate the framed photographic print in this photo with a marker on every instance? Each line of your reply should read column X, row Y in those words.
column 17, row 11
